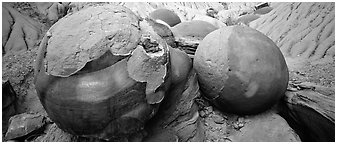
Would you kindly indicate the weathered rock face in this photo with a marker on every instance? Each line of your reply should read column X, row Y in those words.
column 240, row 70
column 234, row 11
column 102, row 73
column 53, row 10
column 301, row 30
column 310, row 110
column 178, row 114
column 265, row 127
column 163, row 31
column 19, row 32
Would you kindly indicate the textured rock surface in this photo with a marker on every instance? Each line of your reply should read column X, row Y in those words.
column 23, row 124
column 305, row 33
column 265, row 127
column 53, row 10
column 301, row 30
column 310, row 109
column 189, row 34
column 179, row 112
column 234, row 11
column 19, row 32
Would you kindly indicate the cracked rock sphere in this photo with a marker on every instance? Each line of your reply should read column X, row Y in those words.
column 101, row 72
column 240, row 70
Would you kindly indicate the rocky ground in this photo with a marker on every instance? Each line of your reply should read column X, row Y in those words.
column 304, row 32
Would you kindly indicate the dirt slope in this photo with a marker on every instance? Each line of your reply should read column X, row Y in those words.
column 305, row 33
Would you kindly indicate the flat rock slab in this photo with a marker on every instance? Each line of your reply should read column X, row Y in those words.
column 23, row 124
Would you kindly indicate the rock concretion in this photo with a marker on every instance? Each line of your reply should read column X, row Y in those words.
column 240, row 70
column 165, row 15
column 101, row 72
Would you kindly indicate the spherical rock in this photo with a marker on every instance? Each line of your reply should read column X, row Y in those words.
column 101, row 72
column 240, row 70
column 195, row 29
column 165, row 15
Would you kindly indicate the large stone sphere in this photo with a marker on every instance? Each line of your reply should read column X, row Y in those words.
column 240, row 70
column 165, row 15
column 102, row 73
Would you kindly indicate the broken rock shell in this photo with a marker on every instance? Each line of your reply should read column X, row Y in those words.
column 101, row 72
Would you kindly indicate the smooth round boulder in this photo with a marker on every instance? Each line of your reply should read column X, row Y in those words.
column 165, row 15
column 240, row 70
column 195, row 29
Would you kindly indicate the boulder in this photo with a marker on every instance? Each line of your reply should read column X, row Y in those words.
column 165, row 15
column 24, row 124
column 189, row 34
column 101, row 73
column 195, row 29
column 265, row 127
column 240, row 70
column 217, row 23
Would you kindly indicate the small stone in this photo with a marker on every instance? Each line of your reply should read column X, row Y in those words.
column 236, row 126
column 241, row 125
column 202, row 114
column 218, row 119
column 23, row 124
column 241, row 119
